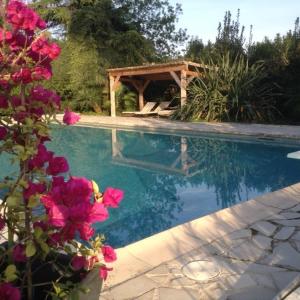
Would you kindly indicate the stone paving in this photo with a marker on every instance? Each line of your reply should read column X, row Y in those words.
column 255, row 262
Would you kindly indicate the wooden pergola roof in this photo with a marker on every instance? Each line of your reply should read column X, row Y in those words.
column 182, row 72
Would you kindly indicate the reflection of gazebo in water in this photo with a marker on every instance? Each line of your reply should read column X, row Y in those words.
column 182, row 72
column 182, row 165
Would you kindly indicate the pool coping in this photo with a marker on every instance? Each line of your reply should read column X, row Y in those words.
column 289, row 132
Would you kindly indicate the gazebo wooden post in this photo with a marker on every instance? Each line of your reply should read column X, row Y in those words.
column 140, row 87
column 141, row 98
column 114, row 82
column 183, row 87
column 112, row 94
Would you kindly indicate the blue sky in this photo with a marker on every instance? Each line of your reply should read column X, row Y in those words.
column 268, row 17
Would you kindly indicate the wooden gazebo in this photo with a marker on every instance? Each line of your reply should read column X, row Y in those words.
column 140, row 77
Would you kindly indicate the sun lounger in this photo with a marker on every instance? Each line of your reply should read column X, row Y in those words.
column 146, row 109
column 161, row 106
column 149, row 110
column 166, row 113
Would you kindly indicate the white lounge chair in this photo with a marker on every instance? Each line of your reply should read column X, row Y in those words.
column 161, row 106
column 146, row 109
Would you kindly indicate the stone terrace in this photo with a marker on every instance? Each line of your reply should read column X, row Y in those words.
column 252, row 251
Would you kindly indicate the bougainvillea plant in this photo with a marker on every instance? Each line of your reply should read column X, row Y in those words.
column 44, row 211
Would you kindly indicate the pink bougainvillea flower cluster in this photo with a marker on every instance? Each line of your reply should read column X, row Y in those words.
column 81, row 262
column 9, row 292
column 70, row 208
column 70, row 205
column 19, row 253
column 22, row 17
column 70, row 118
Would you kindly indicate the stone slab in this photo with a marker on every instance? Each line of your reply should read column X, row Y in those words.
column 290, row 215
column 284, row 233
column 177, row 294
column 133, row 288
column 262, row 242
column 240, row 234
column 295, row 208
column 290, row 223
column 255, row 293
column 246, row 251
column 296, row 236
column 264, row 227
column 284, row 279
column 285, row 255
column 282, row 199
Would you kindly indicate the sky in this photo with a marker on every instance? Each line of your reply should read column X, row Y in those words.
column 268, row 17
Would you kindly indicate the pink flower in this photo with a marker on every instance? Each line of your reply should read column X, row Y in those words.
column 57, row 165
column 42, row 156
column 86, row 231
column 33, row 189
column 78, row 262
column 15, row 101
column 103, row 272
column 19, row 253
column 98, row 213
column 3, row 132
column 112, row 197
column 44, row 48
column 38, row 93
column 4, row 84
column 70, row 117
column 23, row 76
column 109, row 254
column 2, row 223
column 58, row 215
column 78, row 189
column 5, row 35
column 3, row 102
column 9, row 292
column 41, row 73
column 22, row 17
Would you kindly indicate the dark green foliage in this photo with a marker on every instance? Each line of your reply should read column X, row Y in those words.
column 231, row 90
column 230, row 36
column 100, row 34
column 126, row 99
column 276, row 83
column 282, row 60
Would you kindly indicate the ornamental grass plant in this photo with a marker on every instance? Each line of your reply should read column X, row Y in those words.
column 231, row 90
column 44, row 210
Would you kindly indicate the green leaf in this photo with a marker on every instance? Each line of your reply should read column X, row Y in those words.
column 38, row 232
column 10, row 273
column 12, row 201
column 30, row 249
column 44, row 246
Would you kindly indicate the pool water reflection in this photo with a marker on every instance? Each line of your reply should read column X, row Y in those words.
column 171, row 179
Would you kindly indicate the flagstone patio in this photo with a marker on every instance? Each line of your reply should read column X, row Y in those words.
column 250, row 251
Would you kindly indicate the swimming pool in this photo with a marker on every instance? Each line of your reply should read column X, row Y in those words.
column 171, row 179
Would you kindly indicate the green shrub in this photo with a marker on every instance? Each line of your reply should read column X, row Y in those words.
column 230, row 90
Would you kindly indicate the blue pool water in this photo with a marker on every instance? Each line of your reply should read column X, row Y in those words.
column 171, row 179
